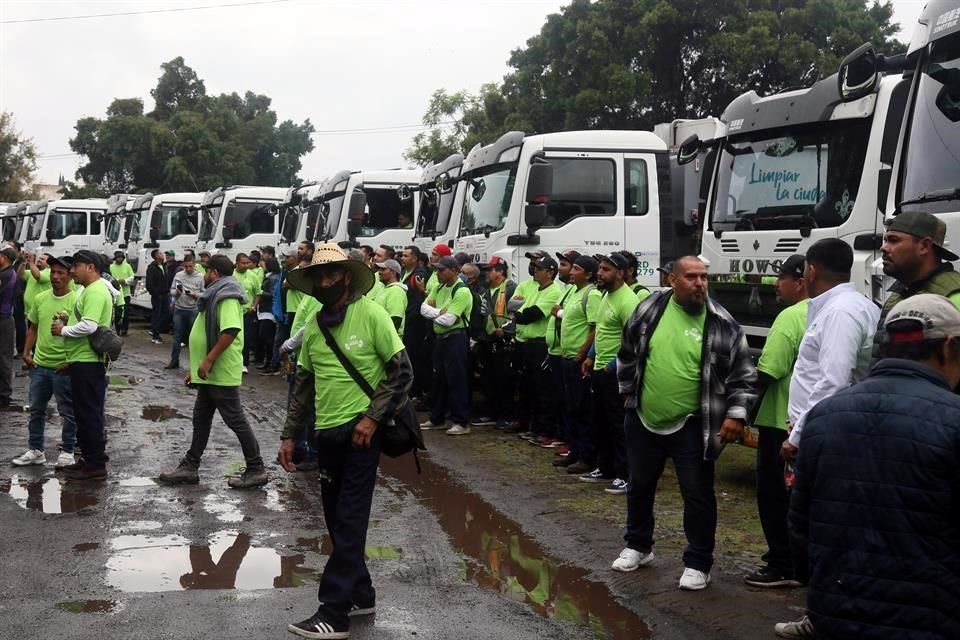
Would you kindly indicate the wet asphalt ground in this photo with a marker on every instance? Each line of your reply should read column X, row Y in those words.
column 128, row 558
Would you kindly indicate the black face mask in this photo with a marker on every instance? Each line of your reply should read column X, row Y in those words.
column 331, row 294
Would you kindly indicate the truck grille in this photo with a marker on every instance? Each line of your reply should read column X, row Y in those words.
column 729, row 245
column 787, row 245
column 750, row 304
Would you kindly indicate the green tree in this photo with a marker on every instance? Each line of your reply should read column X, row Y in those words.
column 190, row 141
column 18, row 161
column 630, row 64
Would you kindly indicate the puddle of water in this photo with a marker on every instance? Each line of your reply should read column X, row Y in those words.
column 138, row 482
column 159, row 413
column 502, row 558
column 225, row 510
column 49, row 495
column 85, row 546
column 142, row 525
column 227, row 561
column 91, row 606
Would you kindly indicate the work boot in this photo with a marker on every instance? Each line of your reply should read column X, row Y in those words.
column 251, row 477
column 185, row 473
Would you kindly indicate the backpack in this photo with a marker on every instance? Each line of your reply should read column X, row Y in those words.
column 476, row 323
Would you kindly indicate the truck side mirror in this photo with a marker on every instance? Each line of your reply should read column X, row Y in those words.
column 859, row 73
column 689, row 150
column 227, row 233
column 356, row 213
column 539, row 188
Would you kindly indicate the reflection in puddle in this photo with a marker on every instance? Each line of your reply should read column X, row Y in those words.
column 49, row 495
column 227, row 561
column 159, row 413
column 91, row 606
column 504, row 559
column 85, row 546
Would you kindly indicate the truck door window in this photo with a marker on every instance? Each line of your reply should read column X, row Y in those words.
column 175, row 220
column 66, row 223
column 581, row 187
column 637, row 194
column 94, row 224
column 247, row 218
column 385, row 210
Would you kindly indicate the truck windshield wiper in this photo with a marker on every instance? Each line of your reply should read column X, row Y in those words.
column 934, row 196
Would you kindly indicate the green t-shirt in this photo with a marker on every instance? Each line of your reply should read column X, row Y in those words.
column 258, row 273
column 432, row 284
column 34, row 286
column 459, row 303
column 544, row 299
column 616, row 307
column 293, row 298
column 955, row 299
column 50, row 350
column 374, row 292
column 576, row 322
column 777, row 359
column 122, row 271
column 671, row 378
column 393, row 298
column 199, row 268
column 251, row 287
column 553, row 331
column 642, row 294
column 368, row 338
column 227, row 371
column 93, row 303
column 309, row 306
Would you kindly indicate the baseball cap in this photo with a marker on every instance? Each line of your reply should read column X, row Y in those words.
column 544, row 262
column 9, row 253
column 570, row 255
column 88, row 257
column 442, row 250
column 169, row 252
column 617, row 259
column 289, row 252
column 393, row 265
column 928, row 317
column 448, row 262
column 667, row 268
column 204, row 253
column 587, row 263
column 793, row 266
column 923, row 225
column 268, row 249
column 62, row 261
column 495, row 261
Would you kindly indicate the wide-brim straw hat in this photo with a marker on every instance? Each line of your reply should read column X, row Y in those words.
column 326, row 255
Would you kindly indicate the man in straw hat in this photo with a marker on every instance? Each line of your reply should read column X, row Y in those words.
column 346, row 422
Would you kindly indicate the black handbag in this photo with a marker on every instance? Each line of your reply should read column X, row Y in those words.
column 399, row 435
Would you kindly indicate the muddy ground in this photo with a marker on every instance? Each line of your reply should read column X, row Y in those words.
column 489, row 542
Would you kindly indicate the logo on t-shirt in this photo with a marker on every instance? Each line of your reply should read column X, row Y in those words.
column 694, row 333
column 353, row 342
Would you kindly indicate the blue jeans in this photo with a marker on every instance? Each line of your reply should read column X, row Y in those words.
column 182, row 323
column 451, row 390
column 45, row 383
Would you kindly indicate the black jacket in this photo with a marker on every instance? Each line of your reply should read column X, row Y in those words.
column 157, row 280
column 875, row 510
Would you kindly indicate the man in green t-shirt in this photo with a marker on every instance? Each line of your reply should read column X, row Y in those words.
column 45, row 357
column 688, row 382
column 448, row 307
column 600, row 365
column 524, row 400
column 630, row 277
column 216, row 365
column 494, row 353
column 36, row 278
column 346, row 423
column 250, row 281
column 122, row 272
column 393, row 296
column 532, row 319
column 577, row 315
column 87, row 369
column 561, row 441
column 775, row 369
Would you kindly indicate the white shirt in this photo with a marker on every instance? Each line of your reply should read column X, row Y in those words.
column 835, row 352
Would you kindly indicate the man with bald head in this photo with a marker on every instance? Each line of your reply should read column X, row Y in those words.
column 688, row 383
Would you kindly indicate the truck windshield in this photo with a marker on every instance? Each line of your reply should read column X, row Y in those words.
column 803, row 177
column 932, row 158
column 61, row 224
column 36, row 226
column 210, row 220
column 172, row 220
column 385, row 210
column 435, row 210
column 291, row 220
column 114, row 225
column 248, row 218
column 10, row 228
column 486, row 202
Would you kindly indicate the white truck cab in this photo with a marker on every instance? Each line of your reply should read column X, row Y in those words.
column 14, row 222
column 239, row 219
column 440, row 195
column 592, row 191
column 63, row 227
column 116, row 223
column 385, row 218
column 299, row 215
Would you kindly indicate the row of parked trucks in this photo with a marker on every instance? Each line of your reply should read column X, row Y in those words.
column 768, row 178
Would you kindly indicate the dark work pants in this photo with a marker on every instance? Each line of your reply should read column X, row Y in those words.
column 451, row 369
column 556, row 417
column 8, row 336
column 226, row 400
column 19, row 322
column 497, row 379
column 120, row 319
column 266, row 331
column 647, row 454
column 249, row 335
column 535, row 385
column 348, row 477
column 88, row 387
column 280, row 336
column 159, row 311
column 414, row 339
column 773, row 499
column 183, row 320
column 578, row 411
column 608, row 424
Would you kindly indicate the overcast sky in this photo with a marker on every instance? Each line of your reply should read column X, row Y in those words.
column 357, row 64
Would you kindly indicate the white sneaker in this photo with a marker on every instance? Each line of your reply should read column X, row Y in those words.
column 458, row 430
column 693, row 580
column 245, row 370
column 631, row 560
column 64, row 460
column 429, row 425
column 32, row 456
column 801, row 628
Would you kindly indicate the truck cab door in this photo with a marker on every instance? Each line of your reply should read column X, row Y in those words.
column 643, row 214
